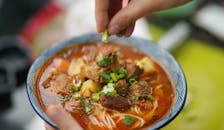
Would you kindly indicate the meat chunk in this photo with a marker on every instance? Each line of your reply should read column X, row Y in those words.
column 121, row 87
column 133, row 70
column 115, row 102
column 117, row 63
column 93, row 71
column 59, row 83
column 142, row 89
column 106, row 52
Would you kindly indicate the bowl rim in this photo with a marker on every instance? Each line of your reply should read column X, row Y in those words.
column 177, row 106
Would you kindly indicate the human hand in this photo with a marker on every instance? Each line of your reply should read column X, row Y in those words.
column 121, row 21
column 61, row 118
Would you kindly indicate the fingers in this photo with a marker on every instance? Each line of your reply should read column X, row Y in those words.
column 124, row 18
column 128, row 15
column 129, row 30
column 137, row 9
column 62, row 119
column 101, row 14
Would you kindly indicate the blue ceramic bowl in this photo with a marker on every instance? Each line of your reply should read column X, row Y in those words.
column 160, row 55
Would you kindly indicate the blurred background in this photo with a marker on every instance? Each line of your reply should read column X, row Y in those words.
column 193, row 33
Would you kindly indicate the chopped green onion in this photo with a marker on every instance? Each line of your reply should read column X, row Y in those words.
column 86, row 104
column 128, row 120
column 106, row 77
column 135, row 98
column 132, row 81
column 110, row 85
column 150, row 97
column 88, row 110
column 114, row 92
column 105, row 61
column 111, row 81
column 114, row 76
column 64, row 99
column 96, row 96
column 105, row 37
column 121, row 71
column 76, row 95
column 75, row 88
column 100, row 93
column 120, row 76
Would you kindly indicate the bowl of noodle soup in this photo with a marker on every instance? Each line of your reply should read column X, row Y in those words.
column 128, row 83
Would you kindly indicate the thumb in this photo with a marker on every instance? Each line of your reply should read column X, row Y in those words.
column 62, row 119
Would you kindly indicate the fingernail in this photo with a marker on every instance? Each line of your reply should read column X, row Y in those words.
column 114, row 29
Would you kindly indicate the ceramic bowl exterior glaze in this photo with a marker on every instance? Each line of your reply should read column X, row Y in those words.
column 161, row 56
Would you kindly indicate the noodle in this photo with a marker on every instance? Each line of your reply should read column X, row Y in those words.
column 137, row 110
column 148, row 115
column 123, row 115
column 103, row 119
column 137, row 124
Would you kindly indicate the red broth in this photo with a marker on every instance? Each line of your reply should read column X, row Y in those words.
column 148, row 96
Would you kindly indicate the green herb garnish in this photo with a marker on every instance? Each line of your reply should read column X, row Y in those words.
column 114, row 76
column 105, row 37
column 121, row 71
column 135, row 98
column 88, row 110
column 96, row 96
column 132, row 81
column 106, row 77
column 75, row 88
column 150, row 97
column 128, row 120
column 120, row 76
column 76, row 95
column 64, row 99
column 86, row 104
column 105, row 61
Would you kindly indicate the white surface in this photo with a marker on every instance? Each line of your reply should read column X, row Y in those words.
column 211, row 18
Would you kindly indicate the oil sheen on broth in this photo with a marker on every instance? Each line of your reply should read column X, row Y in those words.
column 106, row 86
